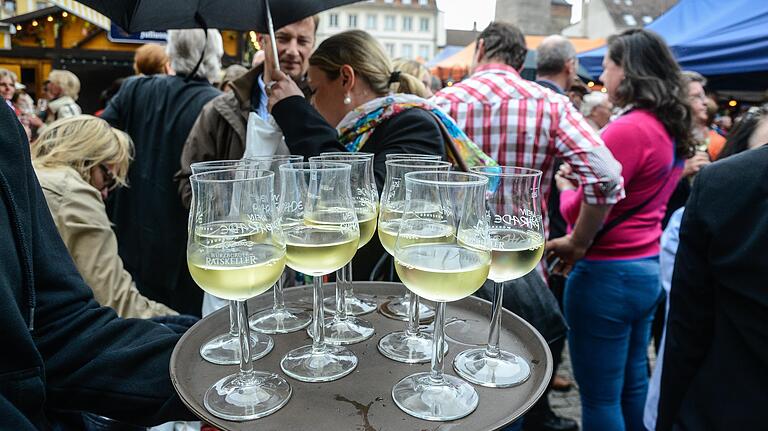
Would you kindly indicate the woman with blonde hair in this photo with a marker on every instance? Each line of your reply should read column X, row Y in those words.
column 78, row 161
column 417, row 70
column 360, row 103
column 151, row 59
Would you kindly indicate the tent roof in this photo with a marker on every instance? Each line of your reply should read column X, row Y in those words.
column 463, row 58
column 711, row 37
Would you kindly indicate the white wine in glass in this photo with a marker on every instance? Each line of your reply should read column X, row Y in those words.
column 322, row 234
column 444, row 271
column 412, row 345
column 224, row 349
column 280, row 318
column 517, row 244
column 236, row 250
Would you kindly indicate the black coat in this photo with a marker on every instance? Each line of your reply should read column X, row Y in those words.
column 308, row 134
column 60, row 349
column 715, row 374
column 149, row 220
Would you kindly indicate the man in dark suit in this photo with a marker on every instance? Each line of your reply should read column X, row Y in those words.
column 715, row 374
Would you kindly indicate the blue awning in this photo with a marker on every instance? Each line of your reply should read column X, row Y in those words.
column 712, row 37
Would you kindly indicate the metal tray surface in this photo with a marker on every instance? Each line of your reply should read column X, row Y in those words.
column 362, row 401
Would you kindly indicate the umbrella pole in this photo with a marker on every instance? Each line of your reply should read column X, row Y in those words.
column 271, row 28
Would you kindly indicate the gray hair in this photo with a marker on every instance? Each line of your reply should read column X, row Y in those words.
column 552, row 54
column 5, row 73
column 590, row 101
column 692, row 76
column 185, row 48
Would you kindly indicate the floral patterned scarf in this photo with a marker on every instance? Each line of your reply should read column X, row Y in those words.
column 357, row 126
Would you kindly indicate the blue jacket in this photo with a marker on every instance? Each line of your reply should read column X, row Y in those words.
column 61, row 350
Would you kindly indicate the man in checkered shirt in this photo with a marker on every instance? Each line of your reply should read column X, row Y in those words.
column 520, row 123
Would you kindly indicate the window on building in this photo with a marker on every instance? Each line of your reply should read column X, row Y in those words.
column 424, row 52
column 406, row 1
column 406, row 51
column 389, row 22
column 371, row 22
column 647, row 19
column 333, row 20
column 407, row 23
column 629, row 20
column 424, row 24
column 423, row 2
column 390, row 47
column 352, row 21
column 389, row 1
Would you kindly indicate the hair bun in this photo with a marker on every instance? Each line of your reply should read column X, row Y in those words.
column 394, row 77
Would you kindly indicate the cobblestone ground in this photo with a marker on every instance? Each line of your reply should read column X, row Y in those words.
column 568, row 404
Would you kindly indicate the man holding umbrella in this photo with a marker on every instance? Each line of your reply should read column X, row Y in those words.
column 220, row 131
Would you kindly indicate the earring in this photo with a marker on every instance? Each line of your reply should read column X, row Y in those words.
column 347, row 99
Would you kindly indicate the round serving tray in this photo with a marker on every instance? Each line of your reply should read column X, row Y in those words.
column 362, row 401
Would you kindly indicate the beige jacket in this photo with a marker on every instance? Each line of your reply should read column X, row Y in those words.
column 81, row 219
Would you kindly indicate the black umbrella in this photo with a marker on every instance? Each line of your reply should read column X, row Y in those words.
column 262, row 16
column 242, row 15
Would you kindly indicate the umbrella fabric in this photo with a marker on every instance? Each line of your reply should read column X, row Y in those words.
column 243, row 15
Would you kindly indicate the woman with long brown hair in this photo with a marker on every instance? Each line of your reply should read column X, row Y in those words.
column 612, row 293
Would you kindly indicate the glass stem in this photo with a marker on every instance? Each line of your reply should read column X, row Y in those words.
column 277, row 292
column 492, row 350
column 438, row 345
column 246, row 367
column 349, row 291
column 233, row 319
column 318, row 342
column 412, row 328
column 341, row 282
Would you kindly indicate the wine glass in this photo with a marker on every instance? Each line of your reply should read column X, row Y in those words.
column 236, row 250
column 322, row 233
column 517, row 244
column 224, row 349
column 343, row 328
column 279, row 319
column 443, row 271
column 411, row 345
column 357, row 305
column 399, row 308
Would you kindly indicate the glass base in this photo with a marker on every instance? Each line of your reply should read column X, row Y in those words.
column 225, row 349
column 466, row 332
column 420, row 396
column 322, row 365
column 504, row 371
column 232, row 400
column 357, row 305
column 344, row 332
column 398, row 309
column 410, row 349
column 283, row 321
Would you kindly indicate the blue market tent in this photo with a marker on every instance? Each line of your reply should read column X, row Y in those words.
column 712, row 37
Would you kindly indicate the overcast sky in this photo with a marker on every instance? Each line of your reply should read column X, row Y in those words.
column 460, row 14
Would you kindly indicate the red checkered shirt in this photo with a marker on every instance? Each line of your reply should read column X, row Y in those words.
column 520, row 123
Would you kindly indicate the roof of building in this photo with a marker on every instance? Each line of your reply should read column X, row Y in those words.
column 460, row 37
column 636, row 13
column 70, row 6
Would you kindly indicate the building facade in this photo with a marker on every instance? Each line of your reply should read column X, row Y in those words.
column 602, row 18
column 412, row 29
column 535, row 17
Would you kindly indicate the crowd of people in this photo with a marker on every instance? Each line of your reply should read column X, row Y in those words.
column 102, row 237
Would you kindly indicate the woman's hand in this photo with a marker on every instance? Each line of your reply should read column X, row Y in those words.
column 564, row 178
column 563, row 253
column 695, row 163
column 280, row 87
column 34, row 121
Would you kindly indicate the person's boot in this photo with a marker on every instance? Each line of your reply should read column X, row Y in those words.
column 561, row 384
column 549, row 421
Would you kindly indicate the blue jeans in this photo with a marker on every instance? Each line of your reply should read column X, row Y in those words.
column 609, row 307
